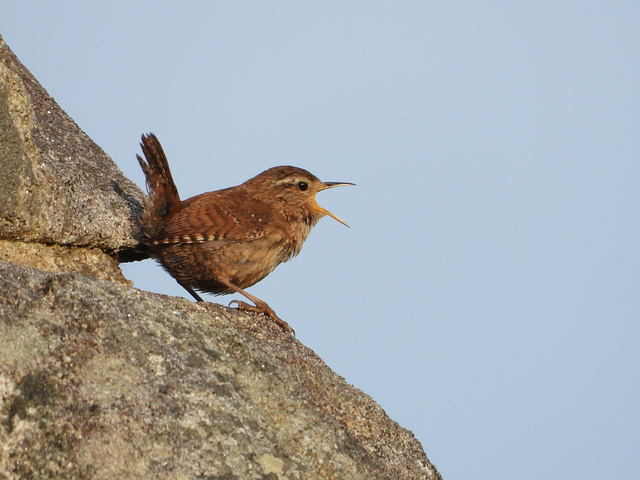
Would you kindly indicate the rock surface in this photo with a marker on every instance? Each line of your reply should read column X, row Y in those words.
column 100, row 380
column 58, row 187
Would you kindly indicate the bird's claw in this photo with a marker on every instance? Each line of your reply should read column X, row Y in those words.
column 264, row 309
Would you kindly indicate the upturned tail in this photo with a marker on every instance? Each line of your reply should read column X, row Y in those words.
column 162, row 199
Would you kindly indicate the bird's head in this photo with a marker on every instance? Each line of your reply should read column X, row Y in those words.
column 296, row 188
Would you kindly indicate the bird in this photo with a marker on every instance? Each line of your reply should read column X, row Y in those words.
column 224, row 241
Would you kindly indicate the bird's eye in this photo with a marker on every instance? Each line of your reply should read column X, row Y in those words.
column 303, row 186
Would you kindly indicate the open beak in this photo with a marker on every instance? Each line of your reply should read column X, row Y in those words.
column 327, row 185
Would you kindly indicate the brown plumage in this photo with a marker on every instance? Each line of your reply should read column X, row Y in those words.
column 224, row 241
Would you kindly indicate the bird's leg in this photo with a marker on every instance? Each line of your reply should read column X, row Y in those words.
column 192, row 292
column 260, row 307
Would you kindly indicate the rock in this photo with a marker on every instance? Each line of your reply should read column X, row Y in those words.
column 100, row 380
column 58, row 187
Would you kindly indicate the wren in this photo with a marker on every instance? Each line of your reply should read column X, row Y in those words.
column 224, row 241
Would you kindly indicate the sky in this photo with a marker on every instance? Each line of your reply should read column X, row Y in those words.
column 486, row 294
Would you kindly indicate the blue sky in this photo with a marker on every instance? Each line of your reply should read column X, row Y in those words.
column 486, row 294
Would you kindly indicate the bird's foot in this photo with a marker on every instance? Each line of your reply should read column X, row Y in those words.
column 264, row 309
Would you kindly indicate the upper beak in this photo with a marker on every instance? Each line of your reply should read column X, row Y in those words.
column 325, row 186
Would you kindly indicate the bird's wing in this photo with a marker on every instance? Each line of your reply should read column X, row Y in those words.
column 217, row 218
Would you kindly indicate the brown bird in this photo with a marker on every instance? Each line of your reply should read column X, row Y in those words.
column 224, row 241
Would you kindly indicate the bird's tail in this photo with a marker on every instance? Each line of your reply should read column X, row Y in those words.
column 163, row 198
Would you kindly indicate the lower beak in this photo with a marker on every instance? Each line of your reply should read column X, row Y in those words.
column 326, row 186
